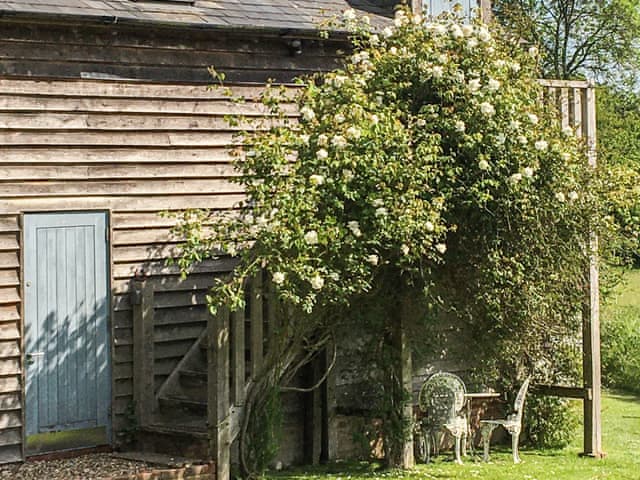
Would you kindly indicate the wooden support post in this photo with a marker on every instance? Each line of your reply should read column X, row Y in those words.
column 591, row 309
column 257, row 326
column 329, row 451
column 143, row 375
column 218, row 414
column 238, row 362
column 405, row 373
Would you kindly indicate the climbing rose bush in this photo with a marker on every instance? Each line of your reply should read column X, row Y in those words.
column 431, row 144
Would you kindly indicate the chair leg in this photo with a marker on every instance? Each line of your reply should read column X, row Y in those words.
column 486, row 431
column 464, row 443
column 514, row 446
column 458, row 442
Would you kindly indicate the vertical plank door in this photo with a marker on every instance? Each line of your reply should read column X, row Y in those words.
column 66, row 331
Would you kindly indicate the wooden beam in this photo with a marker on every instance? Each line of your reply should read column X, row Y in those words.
column 143, row 372
column 257, row 325
column 591, row 309
column 238, row 364
column 580, row 393
column 329, row 451
column 218, row 413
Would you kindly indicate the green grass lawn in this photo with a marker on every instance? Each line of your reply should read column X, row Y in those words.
column 621, row 440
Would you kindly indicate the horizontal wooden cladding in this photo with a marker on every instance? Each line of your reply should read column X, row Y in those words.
column 150, row 57
column 122, row 89
column 112, row 155
column 201, row 106
column 194, row 281
column 10, row 437
column 134, row 138
column 9, row 259
column 9, row 313
column 123, row 187
column 114, row 172
column 139, row 121
column 10, row 384
column 9, row 295
column 9, row 241
column 9, row 223
column 124, row 203
column 10, row 277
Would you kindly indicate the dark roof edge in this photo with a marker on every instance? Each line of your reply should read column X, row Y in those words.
column 334, row 35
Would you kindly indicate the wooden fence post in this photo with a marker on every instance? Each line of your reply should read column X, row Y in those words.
column 257, row 325
column 591, row 310
column 218, row 413
column 143, row 374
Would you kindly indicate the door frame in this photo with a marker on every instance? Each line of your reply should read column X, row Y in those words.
column 109, row 311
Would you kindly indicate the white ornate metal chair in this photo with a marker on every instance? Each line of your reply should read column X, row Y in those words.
column 512, row 424
column 443, row 402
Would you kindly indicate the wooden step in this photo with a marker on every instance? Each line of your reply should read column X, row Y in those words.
column 183, row 404
column 193, row 378
column 173, row 440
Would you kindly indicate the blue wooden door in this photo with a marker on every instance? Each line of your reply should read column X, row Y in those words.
column 68, row 381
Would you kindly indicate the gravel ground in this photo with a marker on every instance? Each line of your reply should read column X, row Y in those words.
column 86, row 467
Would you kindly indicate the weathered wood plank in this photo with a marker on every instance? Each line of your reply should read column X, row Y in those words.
column 257, row 324
column 125, row 203
column 9, row 295
column 9, row 278
column 143, row 364
column 10, row 420
column 9, row 260
column 11, row 454
column 9, row 223
column 182, row 315
column 210, row 138
column 9, row 348
column 111, row 156
column 10, row 401
column 218, row 392
column 10, row 366
column 10, row 384
column 56, row 103
column 168, row 333
column 238, row 366
column 10, row 437
column 9, row 240
column 173, row 349
column 9, row 312
column 9, row 331
column 136, row 122
column 24, row 172
column 126, row 270
column 144, row 253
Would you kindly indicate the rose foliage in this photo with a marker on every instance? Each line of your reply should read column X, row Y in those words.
column 428, row 168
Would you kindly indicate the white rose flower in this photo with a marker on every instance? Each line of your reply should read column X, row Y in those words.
column 541, row 145
column 483, row 165
column 311, row 237
column 493, row 85
column 381, row 212
column 483, row 34
column 373, row 259
column 354, row 227
column 487, row 109
column 456, row 31
column 441, row 247
column 528, row 172
column 323, row 140
column 474, row 85
column 378, row 202
column 565, row 156
column 500, row 63
column 307, row 113
column 429, row 226
column 317, row 282
column 560, row 197
column 467, row 30
column 568, row 131
column 365, row 19
column 404, row 248
column 375, row 119
column 322, row 154
column 387, row 32
column 572, row 196
column 316, row 179
column 533, row 118
column 501, row 138
column 421, row 122
column 339, row 118
column 399, row 21
column 354, row 132
column 437, row 71
column 460, row 126
column 339, row 141
column 349, row 14
column 305, row 138
column 393, row 51
column 522, row 140
column 514, row 124
column 472, row 43
column 533, row 51
column 515, row 178
column 232, row 250
column 515, row 66
column 278, row 278
column 417, row 19
column 347, row 175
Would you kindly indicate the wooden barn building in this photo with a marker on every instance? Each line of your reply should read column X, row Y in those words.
column 106, row 120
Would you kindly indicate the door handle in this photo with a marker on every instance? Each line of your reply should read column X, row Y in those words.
column 31, row 357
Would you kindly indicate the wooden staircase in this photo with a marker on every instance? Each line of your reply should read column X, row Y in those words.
column 196, row 411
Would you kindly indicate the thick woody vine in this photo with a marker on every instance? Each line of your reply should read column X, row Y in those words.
column 426, row 169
